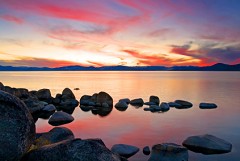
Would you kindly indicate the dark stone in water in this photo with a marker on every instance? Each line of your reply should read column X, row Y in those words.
column 137, row 102
column 17, row 128
column 184, row 104
column 207, row 105
column 124, row 150
column 146, row 150
column 154, row 99
column 60, row 118
column 207, row 144
column 168, row 152
column 127, row 100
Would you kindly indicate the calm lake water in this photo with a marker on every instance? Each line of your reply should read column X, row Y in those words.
column 140, row 128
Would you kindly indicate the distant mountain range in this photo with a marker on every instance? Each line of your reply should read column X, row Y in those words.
column 215, row 67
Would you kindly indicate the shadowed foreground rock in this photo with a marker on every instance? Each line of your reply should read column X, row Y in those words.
column 124, row 150
column 168, row 152
column 73, row 150
column 17, row 128
column 207, row 144
column 55, row 135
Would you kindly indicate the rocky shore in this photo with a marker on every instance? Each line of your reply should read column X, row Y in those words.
column 21, row 108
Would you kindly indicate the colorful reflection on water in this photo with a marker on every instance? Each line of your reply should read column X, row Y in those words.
column 137, row 127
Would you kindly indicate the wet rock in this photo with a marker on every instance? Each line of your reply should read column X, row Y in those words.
column 168, row 152
column 47, row 111
column 68, row 106
column 105, row 105
column 86, row 108
column 9, row 89
column 44, row 95
column 173, row 104
column 147, row 109
column 85, row 99
column 17, row 128
column 121, row 105
column 149, row 103
column 124, row 150
column 207, row 105
column 73, row 150
column 90, row 103
column 164, row 106
column 137, row 102
column 67, row 94
column 1, row 86
column 146, row 150
column 207, row 144
column 60, row 118
column 126, row 100
column 21, row 93
column 55, row 135
column 104, row 97
column 184, row 104
column 155, row 108
column 154, row 99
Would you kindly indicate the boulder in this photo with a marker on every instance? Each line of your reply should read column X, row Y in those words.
column 1, row 86
column 68, row 105
column 85, row 99
column 17, row 128
column 155, row 108
column 126, row 100
column 60, row 118
column 73, row 150
column 67, row 94
column 104, row 97
column 86, row 108
column 9, row 89
column 207, row 144
column 55, row 135
column 154, row 99
column 44, row 95
column 47, row 111
column 184, row 104
column 207, row 105
column 21, row 93
column 137, row 102
column 149, row 103
column 124, row 150
column 173, row 104
column 164, row 106
column 168, row 152
column 146, row 150
column 121, row 106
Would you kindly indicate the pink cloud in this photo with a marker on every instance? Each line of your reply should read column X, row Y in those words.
column 12, row 18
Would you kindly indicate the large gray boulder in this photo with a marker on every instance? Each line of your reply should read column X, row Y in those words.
column 60, row 118
column 207, row 144
column 55, row 135
column 17, row 128
column 124, row 150
column 168, row 152
column 73, row 150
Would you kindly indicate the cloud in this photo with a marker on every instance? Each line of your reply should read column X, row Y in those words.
column 13, row 60
column 12, row 18
column 209, row 53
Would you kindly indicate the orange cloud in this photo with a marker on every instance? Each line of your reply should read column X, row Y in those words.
column 11, row 18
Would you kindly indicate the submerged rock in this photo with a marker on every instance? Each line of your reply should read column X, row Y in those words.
column 154, row 99
column 207, row 105
column 207, row 144
column 124, row 150
column 17, row 128
column 168, row 152
column 146, row 150
column 73, row 150
column 137, row 102
column 184, row 104
column 60, row 118
column 149, row 103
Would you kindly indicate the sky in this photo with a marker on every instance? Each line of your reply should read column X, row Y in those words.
column 52, row 33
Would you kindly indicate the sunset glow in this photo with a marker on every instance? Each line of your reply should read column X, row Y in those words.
column 119, row 32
